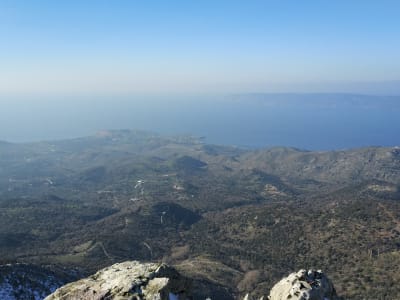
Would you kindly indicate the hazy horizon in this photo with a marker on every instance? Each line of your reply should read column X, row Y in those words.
column 307, row 121
column 71, row 68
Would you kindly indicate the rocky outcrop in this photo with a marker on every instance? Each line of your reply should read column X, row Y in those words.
column 304, row 285
column 132, row 280
column 128, row 280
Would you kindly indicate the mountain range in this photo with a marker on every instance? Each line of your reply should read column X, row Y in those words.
column 235, row 220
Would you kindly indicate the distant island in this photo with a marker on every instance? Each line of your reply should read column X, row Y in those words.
column 313, row 121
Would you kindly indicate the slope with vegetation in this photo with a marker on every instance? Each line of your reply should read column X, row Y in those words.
column 235, row 220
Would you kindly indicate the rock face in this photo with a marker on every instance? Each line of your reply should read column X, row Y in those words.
column 304, row 285
column 128, row 280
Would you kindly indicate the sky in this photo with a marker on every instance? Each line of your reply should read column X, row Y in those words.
column 169, row 47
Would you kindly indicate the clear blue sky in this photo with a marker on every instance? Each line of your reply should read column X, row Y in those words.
column 83, row 46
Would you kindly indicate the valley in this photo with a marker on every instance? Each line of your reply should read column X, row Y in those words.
column 236, row 220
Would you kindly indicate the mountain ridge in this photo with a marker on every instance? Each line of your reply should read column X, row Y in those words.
column 257, row 214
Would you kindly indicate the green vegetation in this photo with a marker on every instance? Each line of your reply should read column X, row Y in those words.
column 237, row 218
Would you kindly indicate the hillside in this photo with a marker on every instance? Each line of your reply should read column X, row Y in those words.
column 243, row 218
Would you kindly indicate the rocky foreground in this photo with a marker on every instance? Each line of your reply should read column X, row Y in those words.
column 311, row 285
column 134, row 280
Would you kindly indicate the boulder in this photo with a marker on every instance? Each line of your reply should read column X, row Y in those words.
column 128, row 280
column 304, row 285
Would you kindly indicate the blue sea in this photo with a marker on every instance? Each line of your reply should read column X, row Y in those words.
column 305, row 121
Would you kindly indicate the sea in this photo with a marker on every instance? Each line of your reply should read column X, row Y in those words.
column 329, row 121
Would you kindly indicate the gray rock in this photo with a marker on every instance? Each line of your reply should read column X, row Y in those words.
column 247, row 297
column 128, row 280
column 304, row 285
